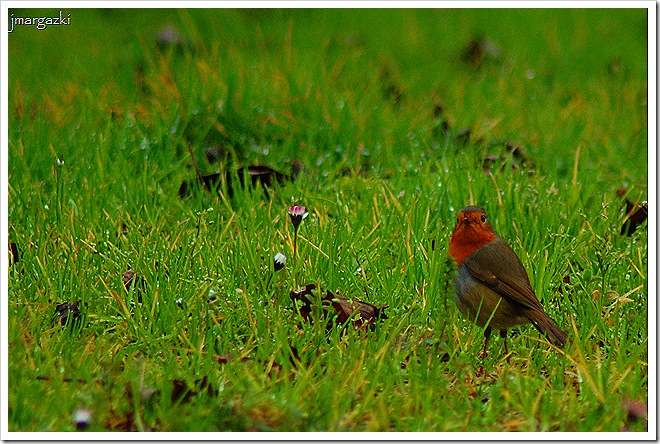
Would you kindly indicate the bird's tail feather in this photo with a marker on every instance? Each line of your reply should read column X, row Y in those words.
column 546, row 325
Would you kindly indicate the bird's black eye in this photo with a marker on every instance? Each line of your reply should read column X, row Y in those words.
column 483, row 218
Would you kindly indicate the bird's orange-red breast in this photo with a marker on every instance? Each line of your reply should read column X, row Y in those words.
column 492, row 286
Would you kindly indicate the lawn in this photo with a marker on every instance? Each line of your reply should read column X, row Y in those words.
column 141, row 300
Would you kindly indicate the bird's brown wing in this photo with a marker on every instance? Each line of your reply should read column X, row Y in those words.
column 497, row 266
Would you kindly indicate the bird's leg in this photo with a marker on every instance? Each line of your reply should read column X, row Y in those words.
column 506, row 347
column 487, row 335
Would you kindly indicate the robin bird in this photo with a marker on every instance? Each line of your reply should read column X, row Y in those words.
column 492, row 286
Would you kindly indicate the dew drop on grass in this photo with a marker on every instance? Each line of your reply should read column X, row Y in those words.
column 340, row 104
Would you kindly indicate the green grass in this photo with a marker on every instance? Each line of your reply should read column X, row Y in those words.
column 99, row 147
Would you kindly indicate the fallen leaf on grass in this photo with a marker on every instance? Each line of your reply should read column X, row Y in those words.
column 258, row 174
column 367, row 316
column 14, row 255
column 635, row 216
column 132, row 281
column 209, row 181
column 182, row 393
column 565, row 281
column 362, row 313
column 266, row 175
column 301, row 295
column 68, row 312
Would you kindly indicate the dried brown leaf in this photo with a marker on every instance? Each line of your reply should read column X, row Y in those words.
column 363, row 314
column 68, row 312
column 182, row 393
column 367, row 315
column 132, row 280
column 258, row 174
column 635, row 216
column 301, row 295
column 14, row 254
